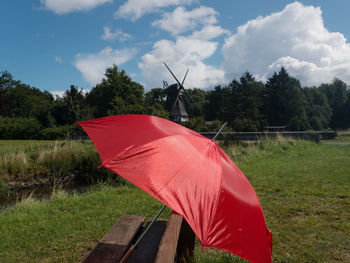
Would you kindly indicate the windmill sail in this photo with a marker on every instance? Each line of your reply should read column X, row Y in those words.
column 174, row 103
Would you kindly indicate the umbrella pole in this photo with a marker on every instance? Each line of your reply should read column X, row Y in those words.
column 216, row 135
column 128, row 254
column 149, row 225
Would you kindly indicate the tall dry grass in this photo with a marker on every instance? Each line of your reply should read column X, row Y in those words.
column 57, row 159
column 245, row 150
column 13, row 164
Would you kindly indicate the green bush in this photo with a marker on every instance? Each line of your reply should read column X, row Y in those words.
column 30, row 128
column 246, row 125
column 199, row 125
column 61, row 132
column 19, row 128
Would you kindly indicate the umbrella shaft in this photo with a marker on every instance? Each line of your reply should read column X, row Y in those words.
column 216, row 135
column 149, row 225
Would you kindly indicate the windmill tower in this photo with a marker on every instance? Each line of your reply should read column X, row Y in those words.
column 174, row 102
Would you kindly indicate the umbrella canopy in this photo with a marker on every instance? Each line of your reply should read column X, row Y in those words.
column 190, row 174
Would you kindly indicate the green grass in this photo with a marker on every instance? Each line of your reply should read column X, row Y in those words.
column 340, row 138
column 67, row 227
column 25, row 161
column 305, row 193
column 304, row 189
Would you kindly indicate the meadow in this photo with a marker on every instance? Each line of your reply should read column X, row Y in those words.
column 303, row 187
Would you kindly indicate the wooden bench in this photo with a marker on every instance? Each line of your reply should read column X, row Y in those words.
column 166, row 241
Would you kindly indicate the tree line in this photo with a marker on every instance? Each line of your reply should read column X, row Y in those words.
column 245, row 103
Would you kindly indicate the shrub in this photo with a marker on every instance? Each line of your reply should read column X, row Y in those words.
column 19, row 128
column 199, row 125
column 61, row 132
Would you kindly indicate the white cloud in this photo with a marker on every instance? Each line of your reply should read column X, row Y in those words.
column 134, row 9
column 58, row 59
column 209, row 32
column 60, row 93
column 93, row 66
column 108, row 35
column 57, row 93
column 61, row 7
column 181, row 20
column 294, row 38
column 184, row 53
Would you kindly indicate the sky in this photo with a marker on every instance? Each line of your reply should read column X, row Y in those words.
column 52, row 44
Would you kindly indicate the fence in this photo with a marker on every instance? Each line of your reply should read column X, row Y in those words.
column 254, row 136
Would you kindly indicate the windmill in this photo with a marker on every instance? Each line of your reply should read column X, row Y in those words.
column 174, row 102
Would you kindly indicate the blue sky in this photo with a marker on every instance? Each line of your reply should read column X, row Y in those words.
column 52, row 44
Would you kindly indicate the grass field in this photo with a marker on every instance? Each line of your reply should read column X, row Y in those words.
column 304, row 189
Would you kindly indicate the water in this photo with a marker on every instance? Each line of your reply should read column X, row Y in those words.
column 43, row 191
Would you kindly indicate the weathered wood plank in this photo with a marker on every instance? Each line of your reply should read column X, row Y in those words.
column 147, row 249
column 185, row 245
column 117, row 240
column 106, row 253
column 124, row 230
column 168, row 244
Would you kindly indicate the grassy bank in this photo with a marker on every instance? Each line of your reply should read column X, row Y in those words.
column 304, row 189
column 36, row 161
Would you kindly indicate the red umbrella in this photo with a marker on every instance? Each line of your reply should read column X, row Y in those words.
column 190, row 174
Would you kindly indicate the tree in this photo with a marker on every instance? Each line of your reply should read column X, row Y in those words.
column 155, row 103
column 218, row 103
column 44, row 110
column 347, row 110
column 318, row 110
column 6, row 82
column 156, row 95
column 246, row 102
column 284, row 102
column 238, row 103
column 337, row 94
column 19, row 100
column 72, row 107
column 116, row 94
column 195, row 106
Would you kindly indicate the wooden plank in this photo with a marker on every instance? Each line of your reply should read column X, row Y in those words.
column 185, row 246
column 168, row 244
column 106, row 253
column 124, row 230
column 117, row 240
column 147, row 249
